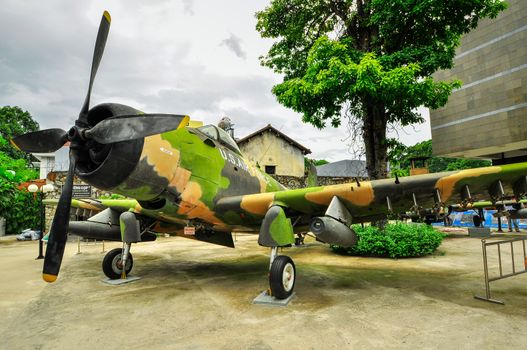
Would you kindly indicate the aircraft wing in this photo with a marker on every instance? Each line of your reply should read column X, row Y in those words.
column 120, row 205
column 368, row 199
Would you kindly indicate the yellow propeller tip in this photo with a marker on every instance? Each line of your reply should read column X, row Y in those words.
column 14, row 144
column 184, row 122
column 106, row 15
column 49, row 278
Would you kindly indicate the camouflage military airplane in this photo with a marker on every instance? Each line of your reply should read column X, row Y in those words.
column 196, row 181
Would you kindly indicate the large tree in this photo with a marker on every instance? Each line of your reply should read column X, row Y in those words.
column 368, row 62
column 13, row 122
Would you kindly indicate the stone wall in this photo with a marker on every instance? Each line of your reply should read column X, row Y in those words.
column 58, row 179
column 293, row 182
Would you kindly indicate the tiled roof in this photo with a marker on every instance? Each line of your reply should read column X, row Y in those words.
column 269, row 127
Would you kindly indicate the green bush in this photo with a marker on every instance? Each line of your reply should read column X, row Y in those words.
column 18, row 207
column 395, row 241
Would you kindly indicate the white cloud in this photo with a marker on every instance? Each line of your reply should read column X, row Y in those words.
column 159, row 58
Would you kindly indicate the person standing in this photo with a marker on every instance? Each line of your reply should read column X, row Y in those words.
column 512, row 222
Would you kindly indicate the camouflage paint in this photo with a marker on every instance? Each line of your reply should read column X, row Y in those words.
column 370, row 198
column 276, row 229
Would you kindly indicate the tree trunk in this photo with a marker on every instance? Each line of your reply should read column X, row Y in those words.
column 374, row 135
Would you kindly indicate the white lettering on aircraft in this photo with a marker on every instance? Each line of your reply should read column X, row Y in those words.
column 167, row 151
column 233, row 159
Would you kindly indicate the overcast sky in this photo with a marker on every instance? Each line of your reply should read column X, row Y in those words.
column 195, row 57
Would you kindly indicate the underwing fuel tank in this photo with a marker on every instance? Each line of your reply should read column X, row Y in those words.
column 105, row 226
column 95, row 230
column 332, row 231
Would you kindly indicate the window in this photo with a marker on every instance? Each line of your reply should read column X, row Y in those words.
column 227, row 140
column 221, row 136
column 210, row 130
column 270, row 169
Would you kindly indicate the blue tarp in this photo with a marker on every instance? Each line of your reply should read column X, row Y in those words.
column 464, row 219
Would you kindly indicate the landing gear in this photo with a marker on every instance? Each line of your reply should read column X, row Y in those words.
column 112, row 264
column 299, row 239
column 282, row 275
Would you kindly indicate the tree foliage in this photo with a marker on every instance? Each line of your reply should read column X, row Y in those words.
column 18, row 207
column 13, row 122
column 315, row 162
column 399, row 157
column 367, row 61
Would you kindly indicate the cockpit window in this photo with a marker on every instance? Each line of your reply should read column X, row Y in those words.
column 227, row 140
column 221, row 136
column 210, row 130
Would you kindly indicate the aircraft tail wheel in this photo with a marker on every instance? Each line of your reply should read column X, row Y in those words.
column 112, row 265
column 282, row 277
column 477, row 220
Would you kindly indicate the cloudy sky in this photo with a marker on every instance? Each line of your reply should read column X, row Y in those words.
column 195, row 57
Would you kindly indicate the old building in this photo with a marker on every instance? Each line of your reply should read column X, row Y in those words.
column 274, row 152
column 487, row 116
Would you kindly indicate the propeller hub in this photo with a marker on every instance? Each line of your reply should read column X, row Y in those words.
column 76, row 136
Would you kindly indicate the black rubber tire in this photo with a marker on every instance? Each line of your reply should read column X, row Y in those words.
column 109, row 263
column 476, row 219
column 282, row 264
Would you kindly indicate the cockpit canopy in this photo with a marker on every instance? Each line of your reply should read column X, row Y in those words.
column 221, row 136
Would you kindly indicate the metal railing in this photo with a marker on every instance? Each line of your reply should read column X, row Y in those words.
column 87, row 243
column 502, row 275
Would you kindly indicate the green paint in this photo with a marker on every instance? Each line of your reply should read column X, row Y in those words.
column 296, row 199
column 122, row 226
column 281, row 230
column 203, row 161
column 272, row 184
column 143, row 192
column 121, row 203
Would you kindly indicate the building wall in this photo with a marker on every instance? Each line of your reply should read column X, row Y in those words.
column 269, row 149
column 487, row 116
column 294, row 182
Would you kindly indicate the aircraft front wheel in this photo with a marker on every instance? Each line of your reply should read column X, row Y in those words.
column 282, row 277
column 112, row 264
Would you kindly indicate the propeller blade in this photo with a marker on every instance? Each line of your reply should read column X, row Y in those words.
column 98, row 51
column 42, row 141
column 131, row 127
column 58, row 234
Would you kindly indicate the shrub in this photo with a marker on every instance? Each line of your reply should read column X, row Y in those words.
column 18, row 207
column 397, row 240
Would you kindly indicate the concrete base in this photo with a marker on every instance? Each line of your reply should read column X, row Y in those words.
column 266, row 299
column 480, row 232
column 121, row 281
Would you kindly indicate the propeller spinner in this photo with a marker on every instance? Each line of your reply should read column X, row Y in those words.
column 81, row 135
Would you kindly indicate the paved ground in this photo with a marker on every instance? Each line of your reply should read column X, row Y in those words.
column 198, row 296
